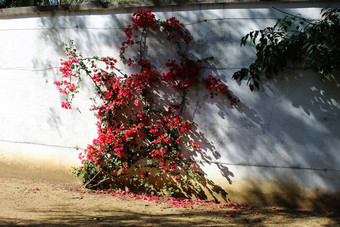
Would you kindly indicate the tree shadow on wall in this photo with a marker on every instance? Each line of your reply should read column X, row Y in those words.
column 280, row 125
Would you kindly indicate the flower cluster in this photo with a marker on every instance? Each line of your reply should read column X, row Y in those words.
column 183, row 75
column 131, row 129
column 215, row 85
column 174, row 30
column 141, row 20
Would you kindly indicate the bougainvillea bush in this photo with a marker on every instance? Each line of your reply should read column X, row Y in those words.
column 141, row 139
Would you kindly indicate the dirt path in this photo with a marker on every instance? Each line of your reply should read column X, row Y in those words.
column 40, row 198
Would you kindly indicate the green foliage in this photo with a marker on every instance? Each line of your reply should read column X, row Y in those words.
column 13, row 3
column 21, row 3
column 310, row 43
column 56, row 2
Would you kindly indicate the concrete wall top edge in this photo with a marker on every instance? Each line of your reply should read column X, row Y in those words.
column 98, row 6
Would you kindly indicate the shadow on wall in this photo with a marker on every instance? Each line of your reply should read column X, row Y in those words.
column 281, row 125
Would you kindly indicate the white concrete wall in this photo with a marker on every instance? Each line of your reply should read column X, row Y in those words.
column 284, row 137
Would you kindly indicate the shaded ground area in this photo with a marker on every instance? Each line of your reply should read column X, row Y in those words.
column 41, row 198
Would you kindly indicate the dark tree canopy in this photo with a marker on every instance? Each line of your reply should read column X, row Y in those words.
column 21, row 3
column 314, row 44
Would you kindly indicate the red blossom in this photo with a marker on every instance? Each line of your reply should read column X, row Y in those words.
column 66, row 105
column 214, row 84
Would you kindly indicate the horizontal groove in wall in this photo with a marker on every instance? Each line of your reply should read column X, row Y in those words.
column 267, row 166
column 198, row 161
column 42, row 144
column 28, row 69
column 102, row 6
column 122, row 28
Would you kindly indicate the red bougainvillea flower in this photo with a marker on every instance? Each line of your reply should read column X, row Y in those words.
column 133, row 123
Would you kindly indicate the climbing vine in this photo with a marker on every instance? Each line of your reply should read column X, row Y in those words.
column 309, row 43
column 140, row 139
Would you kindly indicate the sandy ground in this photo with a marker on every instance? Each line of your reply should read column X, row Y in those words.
column 44, row 198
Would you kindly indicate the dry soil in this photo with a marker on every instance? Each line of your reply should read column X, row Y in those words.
column 36, row 197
